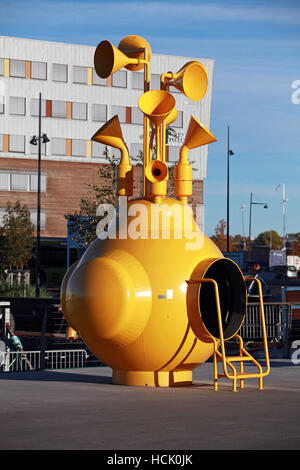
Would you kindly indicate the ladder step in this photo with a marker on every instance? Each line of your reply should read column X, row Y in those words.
column 236, row 358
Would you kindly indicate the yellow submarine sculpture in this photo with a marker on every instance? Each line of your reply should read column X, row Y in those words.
column 152, row 307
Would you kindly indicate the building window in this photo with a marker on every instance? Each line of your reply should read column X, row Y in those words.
column 33, row 183
column 34, row 149
column 179, row 120
column 99, row 112
column 17, row 105
column 19, row 182
column 79, row 74
column 58, row 146
column 17, row 143
column 120, row 111
column 137, row 117
column 97, row 80
column 1, row 106
column 79, row 111
column 78, row 148
column 35, row 107
column 4, row 181
column 59, row 109
column 119, row 79
column 39, row 70
column 17, row 68
column 136, row 150
column 33, row 218
column 1, row 66
column 98, row 149
column 59, row 72
column 173, row 153
column 155, row 81
column 137, row 80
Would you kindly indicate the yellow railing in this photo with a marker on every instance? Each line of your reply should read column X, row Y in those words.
column 243, row 354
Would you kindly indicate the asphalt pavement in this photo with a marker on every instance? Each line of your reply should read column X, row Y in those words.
column 80, row 409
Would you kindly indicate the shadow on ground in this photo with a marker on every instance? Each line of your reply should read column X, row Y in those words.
column 54, row 376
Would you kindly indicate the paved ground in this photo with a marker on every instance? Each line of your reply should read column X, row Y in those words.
column 81, row 409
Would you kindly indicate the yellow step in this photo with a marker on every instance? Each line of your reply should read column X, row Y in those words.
column 236, row 358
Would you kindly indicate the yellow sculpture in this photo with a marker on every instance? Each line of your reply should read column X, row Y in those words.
column 158, row 298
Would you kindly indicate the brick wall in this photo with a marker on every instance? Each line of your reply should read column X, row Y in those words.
column 66, row 184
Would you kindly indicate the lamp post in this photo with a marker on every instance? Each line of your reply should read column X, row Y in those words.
column 38, row 140
column 250, row 218
column 243, row 207
column 229, row 153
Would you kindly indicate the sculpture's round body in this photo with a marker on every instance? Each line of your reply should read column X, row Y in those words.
column 127, row 298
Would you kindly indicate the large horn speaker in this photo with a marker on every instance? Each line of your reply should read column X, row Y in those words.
column 130, row 54
column 156, row 105
column 134, row 47
column 191, row 80
column 197, row 135
column 110, row 134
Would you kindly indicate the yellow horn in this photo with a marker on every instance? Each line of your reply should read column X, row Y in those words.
column 191, row 80
column 108, row 59
column 111, row 134
column 133, row 47
column 197, row 135
column 156, row 105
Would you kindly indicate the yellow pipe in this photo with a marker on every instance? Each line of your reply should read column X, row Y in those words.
column 146, row 156
column 183, row 175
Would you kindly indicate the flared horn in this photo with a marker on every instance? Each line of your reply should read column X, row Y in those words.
column 197, row 135
column 156, row 105
column 108, row 59
column 134, row 47
column 110, row 133
column 191, row 80
column 156, row 171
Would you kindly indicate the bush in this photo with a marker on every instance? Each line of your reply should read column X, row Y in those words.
column 20, row 290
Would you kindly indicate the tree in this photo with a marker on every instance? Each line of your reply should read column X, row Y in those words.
column 220, row 238
column 17, row 237
column 271, row 239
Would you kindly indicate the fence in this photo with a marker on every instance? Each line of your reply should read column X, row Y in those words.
column 42, row 330
column 19, row 361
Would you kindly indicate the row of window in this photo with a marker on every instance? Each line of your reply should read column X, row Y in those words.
column 79, row 111
column 72, row 147
column 80, row 74
column 33, row 217
column 21, row 181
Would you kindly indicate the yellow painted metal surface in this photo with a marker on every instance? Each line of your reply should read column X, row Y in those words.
column 157, row 298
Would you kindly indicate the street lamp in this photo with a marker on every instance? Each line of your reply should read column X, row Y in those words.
column 250, row 216
column 243, row 207
column 38, row 140
column 229, row 154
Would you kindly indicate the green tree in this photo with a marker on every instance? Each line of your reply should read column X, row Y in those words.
column 271, row 239
column 17, row 237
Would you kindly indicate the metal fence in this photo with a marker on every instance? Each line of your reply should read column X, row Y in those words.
column 19, row 361
column 277, row 318
column 42, row 330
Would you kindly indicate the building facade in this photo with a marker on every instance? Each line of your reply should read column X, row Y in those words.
column 75, row 104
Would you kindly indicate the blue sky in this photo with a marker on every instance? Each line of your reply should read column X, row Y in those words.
column 256, row 48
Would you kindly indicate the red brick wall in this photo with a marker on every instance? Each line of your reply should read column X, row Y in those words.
column 66, row 184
